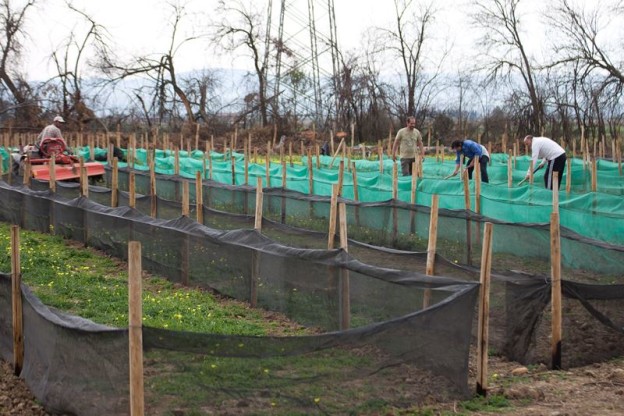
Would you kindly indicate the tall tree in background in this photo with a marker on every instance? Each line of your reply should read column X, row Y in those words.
column 12, row 21
column 590, row 44
column 507, row 56
column 406, row 41
column 160, row 68
column 69, row 61
column 240, row 26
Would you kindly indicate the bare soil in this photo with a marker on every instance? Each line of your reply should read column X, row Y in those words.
column 596, row 389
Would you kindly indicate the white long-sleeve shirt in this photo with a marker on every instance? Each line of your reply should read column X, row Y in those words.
column 544, row 148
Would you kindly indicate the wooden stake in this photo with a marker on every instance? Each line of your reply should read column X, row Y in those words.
column 345, row 298
column 199, row 197
column 153, row 196
column 52, row 175
column 114, row 184
column 132, row 191
column 477, row 173
column 332, row 217
column 509, row 172
column 555, row 192
column 340, row 177
column 259, row 198
column 310, row 174
column 433, row 236
column 16, row 296
column 414, row 182
column 395, row 182
column 594, row 174
column 484, row 311
column 555, row 259
column 569, row 177
column 185, row 199
column 356, row 193
column 135, row 329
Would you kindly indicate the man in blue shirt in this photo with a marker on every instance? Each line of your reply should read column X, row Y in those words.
column 471, row 150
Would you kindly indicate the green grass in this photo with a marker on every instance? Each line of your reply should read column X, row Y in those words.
column 83, row 282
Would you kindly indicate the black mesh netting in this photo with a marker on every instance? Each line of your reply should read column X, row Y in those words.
column 395, row 352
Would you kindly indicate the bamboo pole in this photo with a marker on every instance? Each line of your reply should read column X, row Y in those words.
column 345, row 299
column 380, row 152
column 484, row 311
column 199, row 198
column 531, row 172
column 259, row 200
column 233, row 161
column 135, row 329
column 284, row 175
column 332, row 217
column 290, row 154
column 16, row 306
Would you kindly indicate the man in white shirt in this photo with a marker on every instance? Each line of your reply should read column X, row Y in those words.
column 551, row 153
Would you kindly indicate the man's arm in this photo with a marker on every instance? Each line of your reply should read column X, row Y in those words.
column 395, row 146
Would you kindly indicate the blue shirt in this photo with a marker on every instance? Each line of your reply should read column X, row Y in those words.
column 470, row 149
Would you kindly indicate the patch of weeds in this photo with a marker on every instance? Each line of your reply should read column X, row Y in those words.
column 485, row 404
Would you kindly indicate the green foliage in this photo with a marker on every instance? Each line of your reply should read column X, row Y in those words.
column 83, row 282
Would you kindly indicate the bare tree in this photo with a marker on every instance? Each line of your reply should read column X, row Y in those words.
column 506, row 54
column 595, row 54
column 406, row 41
column 160, row 68
column 69, row 60
column 582, row 43
column 12, row 36
column 240, row 26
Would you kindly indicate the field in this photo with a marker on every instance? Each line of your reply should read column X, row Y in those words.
column 514, row 389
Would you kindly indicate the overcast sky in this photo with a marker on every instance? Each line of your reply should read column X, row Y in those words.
column 139, row 26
